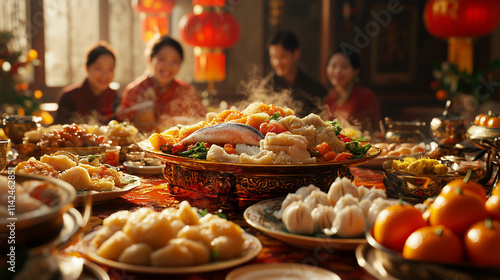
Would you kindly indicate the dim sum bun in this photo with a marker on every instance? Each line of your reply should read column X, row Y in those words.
column 297, row 218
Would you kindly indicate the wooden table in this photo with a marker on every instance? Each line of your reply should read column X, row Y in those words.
column 153, row 192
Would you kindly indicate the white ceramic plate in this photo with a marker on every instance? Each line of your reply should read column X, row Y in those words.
column 279, row 271
column 107, row 195
column 260, row 217
column 253, row 247
column 143, row 170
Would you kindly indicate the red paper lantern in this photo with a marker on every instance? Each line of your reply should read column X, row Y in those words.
column 209, row 32
column 461, row 18
column 154, row 16
column 460, row 21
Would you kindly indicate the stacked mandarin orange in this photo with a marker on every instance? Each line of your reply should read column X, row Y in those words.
column 488, row 120
column 461, row 225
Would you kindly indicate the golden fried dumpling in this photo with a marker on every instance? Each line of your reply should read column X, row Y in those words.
column 78, row 177
column 116, row 220
column 201, row 254
column 154, row 229
column 59, row 162
column 102, row 185
column 113, row 247
column 172, row 255
column 187, row 214
column 137, row 254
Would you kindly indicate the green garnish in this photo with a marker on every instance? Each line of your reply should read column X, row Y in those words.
column 198, row 151
column 275, row 116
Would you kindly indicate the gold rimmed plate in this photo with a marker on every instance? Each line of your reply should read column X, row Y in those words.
column 253, row 247
column 103, row 196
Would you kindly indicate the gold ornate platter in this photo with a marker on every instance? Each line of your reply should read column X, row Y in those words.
column 238, row 185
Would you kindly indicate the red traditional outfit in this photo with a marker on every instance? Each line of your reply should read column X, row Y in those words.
column 77, row 103
column 360, row 109
column 144, row 101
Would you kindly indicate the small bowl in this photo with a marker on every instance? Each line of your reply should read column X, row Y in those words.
column 401, row 268
column 414, row 188
column 35, row 228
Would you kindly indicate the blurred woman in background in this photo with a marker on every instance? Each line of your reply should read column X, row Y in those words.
column 157, row 98
column 91, row 100
column 348, row 101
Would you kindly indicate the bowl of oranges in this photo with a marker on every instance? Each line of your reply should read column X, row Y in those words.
column 454, row 236
column 485, row 133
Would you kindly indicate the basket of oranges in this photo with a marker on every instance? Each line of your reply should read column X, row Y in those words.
column 455, row 236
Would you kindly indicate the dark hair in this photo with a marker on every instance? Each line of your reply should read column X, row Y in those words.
column 351, row 55
column 164, row 42
column 286, row 39
column 101, row 48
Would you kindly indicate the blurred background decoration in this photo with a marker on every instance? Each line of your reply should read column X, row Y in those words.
column 460, row 22
column 154, row 16
column 15, row 95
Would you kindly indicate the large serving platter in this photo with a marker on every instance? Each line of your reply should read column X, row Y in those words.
column 236, row 184
column 253, row 247
column 103, row 196
column 260, row 217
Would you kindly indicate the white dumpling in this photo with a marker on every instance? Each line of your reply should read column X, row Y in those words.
column 291, row 197
column 365, row 206
column 374, row 193
column 154, row 229
column 306, row 191
column 227, row 246
column 344, row 201
column 339, row 188
column 316, row 198
column 362, row 190
column 187, row 214
column 377, row 206
column 323, row 217
column 113, row 247
column 137, row 254
column 201, row 254
column 117, row 220
column 172, row 255
column 297, row 218
column 349, row 222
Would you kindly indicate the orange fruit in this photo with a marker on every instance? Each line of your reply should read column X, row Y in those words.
column 434, row 244
column 483, row 121
column 457, row 211
column 469, row 188
column 478, row 117
column 395, row 223
column 482, row 243
column 493, row 206
column 493, row 122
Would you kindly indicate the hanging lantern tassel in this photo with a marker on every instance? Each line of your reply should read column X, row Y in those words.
column 209, row 64
column 153, row 24
column 154, row 16
column 460, row 53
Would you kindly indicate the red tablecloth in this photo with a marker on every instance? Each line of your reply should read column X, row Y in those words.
column 154, row 193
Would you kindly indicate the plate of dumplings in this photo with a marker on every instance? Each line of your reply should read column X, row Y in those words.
column 311, row 218
column 173, row 241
